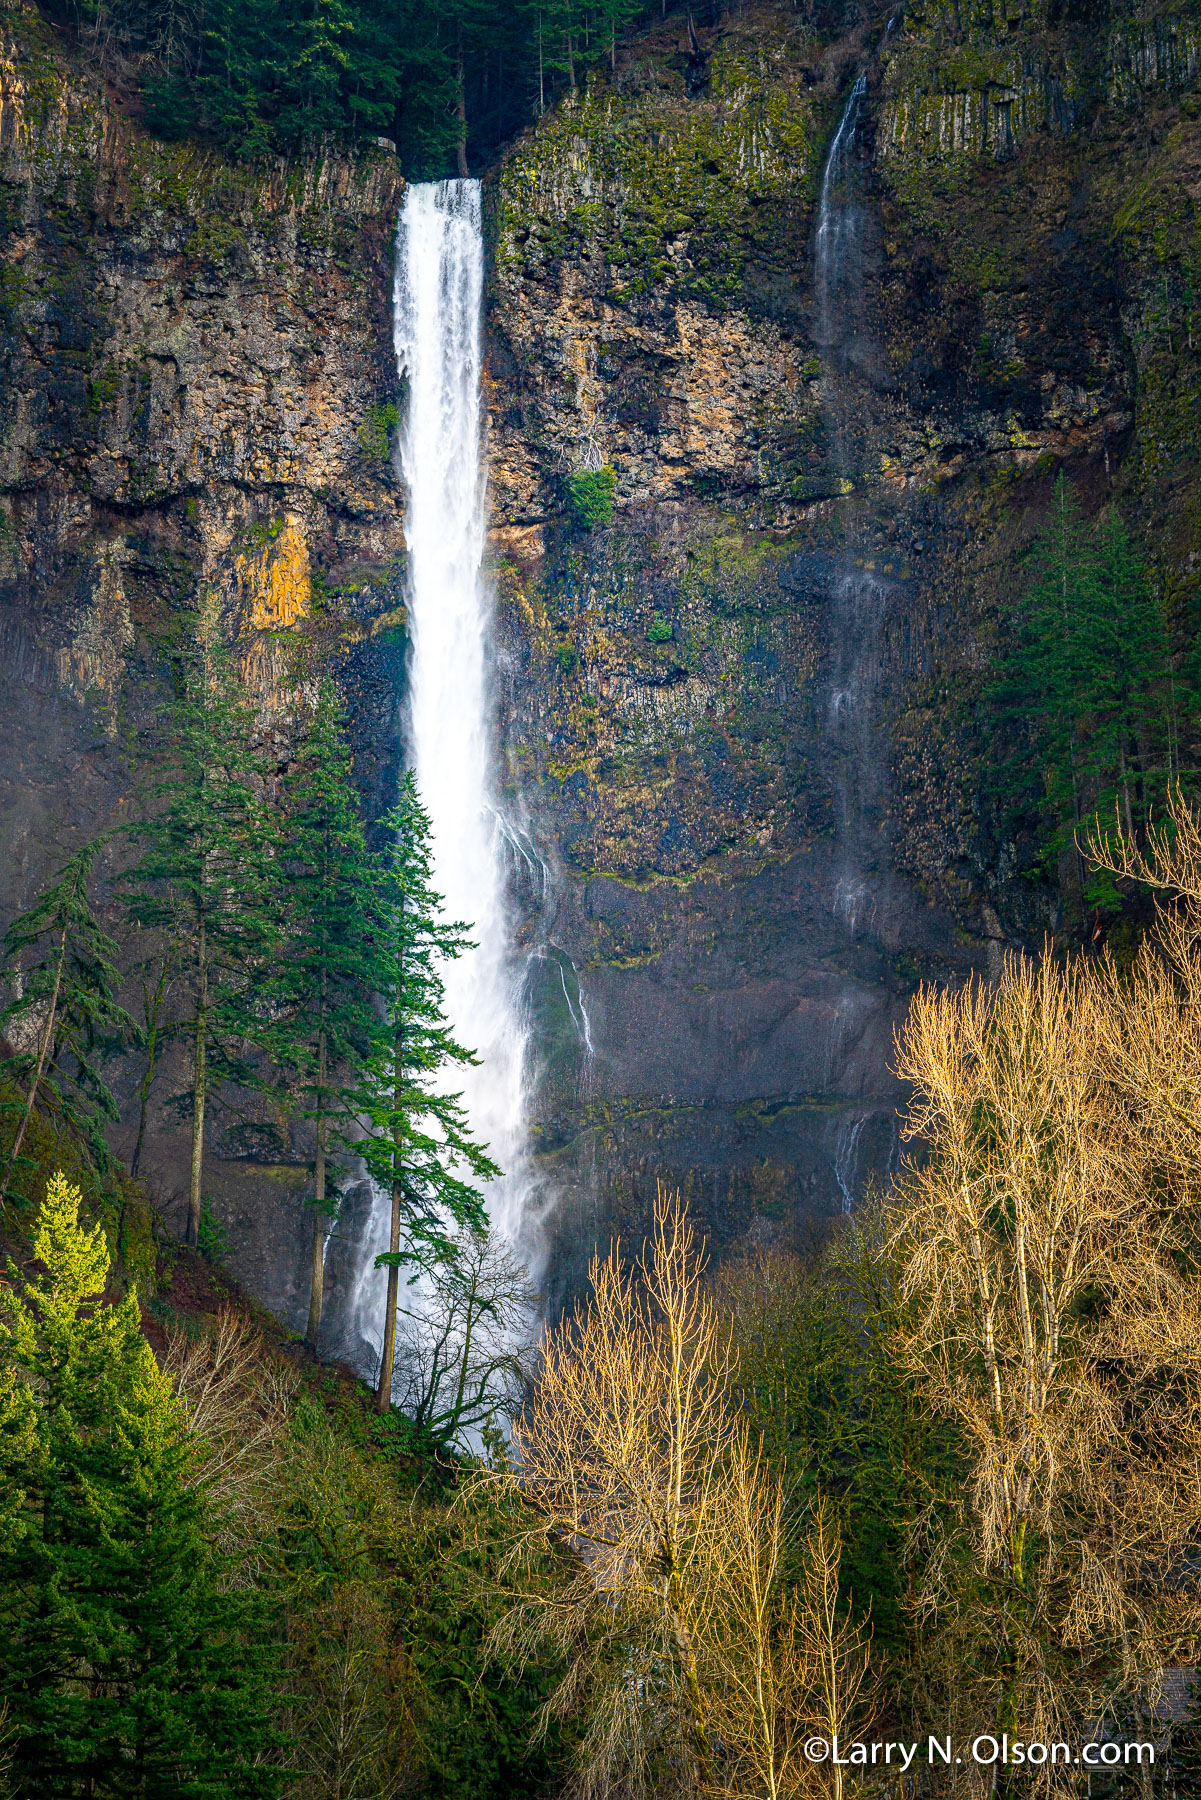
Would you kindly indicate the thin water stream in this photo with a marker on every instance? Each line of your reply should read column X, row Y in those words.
column 857, row 598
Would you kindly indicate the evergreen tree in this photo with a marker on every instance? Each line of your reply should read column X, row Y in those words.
column 1129, row 667
column 447, row 80
column 209, row 875
column 156, row 978
column 1082, row 684
column 127, row 1672
column 320, row 989
column 416, row 1142
column 60, row 967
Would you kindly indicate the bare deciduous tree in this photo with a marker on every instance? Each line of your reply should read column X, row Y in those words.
column 1016, row 1217
column 693, row 1666
column 238, row 1402
column 350, row 1686
column 463, row 1352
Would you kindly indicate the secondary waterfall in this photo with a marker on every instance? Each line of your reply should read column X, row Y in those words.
column 838, row 225
column 856, row 758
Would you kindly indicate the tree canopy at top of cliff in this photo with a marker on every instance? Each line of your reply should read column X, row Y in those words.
column 446, row 80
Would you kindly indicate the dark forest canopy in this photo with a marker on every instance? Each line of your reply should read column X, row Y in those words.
column 446, row 80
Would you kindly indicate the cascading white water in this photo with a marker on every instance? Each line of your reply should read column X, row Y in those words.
column 437, row 298
column 838, row 221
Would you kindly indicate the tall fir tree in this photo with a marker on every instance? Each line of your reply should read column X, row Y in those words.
column 416, row 1140
column 127, row 1671
column 209, row 874
column 60, row 967
column 1126, row 690
column 1082, row 683
column 320, row 989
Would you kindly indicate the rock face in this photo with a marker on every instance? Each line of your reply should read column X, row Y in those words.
column 194, row 369
column 770, row 429
column 743, row 714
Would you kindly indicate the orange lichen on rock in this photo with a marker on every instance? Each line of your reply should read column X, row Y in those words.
column 277, row 580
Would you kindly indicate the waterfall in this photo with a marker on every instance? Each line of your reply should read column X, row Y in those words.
column 838, row 224
column 857, row 597
column 437, row 328
column 437, row 325
column 858, row 875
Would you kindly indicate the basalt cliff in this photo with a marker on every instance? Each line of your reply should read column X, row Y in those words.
column 792, row 322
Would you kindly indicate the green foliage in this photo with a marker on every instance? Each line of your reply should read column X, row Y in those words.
column 126, row 1670
column 836, row 1415
column 1083, row 691
column 212, row 1239
column 659, row 630
column 375, row 433
column 480, row 1733
column 412, row 1135
column 208, row 877
column 321, row 999
column 391, row 1582
column 590, row 497
column 264, row 76
column 62, row 1012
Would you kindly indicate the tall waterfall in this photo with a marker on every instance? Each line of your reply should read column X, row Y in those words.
column 437, row 298
column 859, row 874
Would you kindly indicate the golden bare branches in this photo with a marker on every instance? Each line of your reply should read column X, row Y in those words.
column 693, row 1662
column 1010, row 1220
column 1048, row 1237
column 238, row 1401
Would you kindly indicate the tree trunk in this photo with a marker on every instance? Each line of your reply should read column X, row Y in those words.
column 152, row 1010
column 471, row 1318
column 1125, row 776
column 199, row 1092
column 694, row 1698
column 383, row 1391
column 317, row 1284
column 40, row 1068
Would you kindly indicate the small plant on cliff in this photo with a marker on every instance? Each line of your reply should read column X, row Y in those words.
column 212, row 1239
column 375, row 433
column 590, row 497
column 659, row 630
